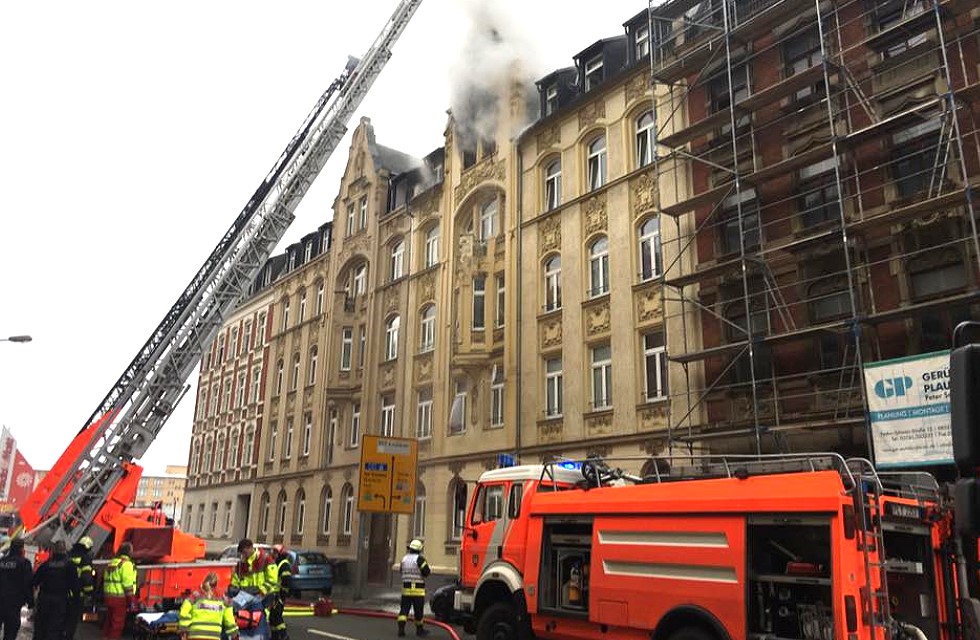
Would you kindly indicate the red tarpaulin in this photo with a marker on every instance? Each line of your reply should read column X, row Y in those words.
column 22, row 480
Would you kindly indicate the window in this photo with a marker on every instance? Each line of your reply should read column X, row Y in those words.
column 221, row 348
column 227, row 519
column 260, row 331
column 273, row 434
column 553, row 387
column 916, row 163
column 346, row 346
column 645, row 132
column 287, row 443
column 397, row 260
column 233, row 351
column 418, row 516
column 355, row 425
column 200, row 518
column 319, row 298
column 279, row 377
column 196, row 458
column 800, row 53
column 457, row 494
column 937, row 273
column 457, row 412
column 285, row 314
column 300, row 511
column 348, row 525
column 294, row 380
column 307, row 434
column 552, row 186
column 501, row 308
column 292, row 260
column 214, row 518
column 497, row 396
column 889, row 14
column 311, row 377
column 593, row 73
column 427, row 328
column 488, row 220
column 281, row 520
column 602, row 377
column 514, row 500
column 361, row 345
column 227, row 395
column 552, row 283
column 247, row 337
column 308, row 252
column 264, row 527
column 423, row 428
column 332, row 435
column 189, row 518
column 642, row 46
column 829, row 299
column 655, row 366
column 819, row 200
column 302, row 306
column 432, row 246
column 242, row 385
column 551, row 100
column 733, row 234
column 721, row 97
column 350, row 220
column 596, row 163
column 387, row 416
column 215, row 397
column 327, row 509
column 363, row 213
column 599, row 266
column 360, row 280
column 479, row 302
column 489, row 504
column 248, row 448
column 651, row 256
column 391, row 338
column 219, row 453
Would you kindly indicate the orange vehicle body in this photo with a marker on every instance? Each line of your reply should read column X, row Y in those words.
column 766, row 556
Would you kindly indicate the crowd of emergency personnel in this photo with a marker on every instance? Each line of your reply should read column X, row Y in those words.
column 62, row 589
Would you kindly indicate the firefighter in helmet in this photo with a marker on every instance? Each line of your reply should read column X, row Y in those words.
column 283, row 570
column 414, row 569
column 81, row 557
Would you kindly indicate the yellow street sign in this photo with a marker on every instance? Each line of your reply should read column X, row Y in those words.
column 388, row 474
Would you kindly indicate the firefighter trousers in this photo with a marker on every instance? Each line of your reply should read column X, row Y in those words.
column 9, row 621
column 50, row 619
column 409, row 603
column 277, row 622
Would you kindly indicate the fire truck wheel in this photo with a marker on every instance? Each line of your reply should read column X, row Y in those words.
column 691, row 633
column 498, row 622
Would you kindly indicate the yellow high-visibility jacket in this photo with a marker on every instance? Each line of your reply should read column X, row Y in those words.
column 204, row 618
column 257, row 575
column 120, row 577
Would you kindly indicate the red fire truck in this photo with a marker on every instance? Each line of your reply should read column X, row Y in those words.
column 767, row 548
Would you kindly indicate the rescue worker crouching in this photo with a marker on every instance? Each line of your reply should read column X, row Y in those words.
column 81, row 557
column 414, row 570
column 119, row 591
column 283, row 572
column 206, row 616
column 16, row 589
column 57, row 584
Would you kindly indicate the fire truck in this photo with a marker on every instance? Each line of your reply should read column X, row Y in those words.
column 88, row 491
column 807, row 547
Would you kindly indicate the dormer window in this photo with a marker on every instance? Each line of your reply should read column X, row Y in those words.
column 309, row 251
column 551, row 100
column 642, row 46
column 292, row 260
column 593, row 73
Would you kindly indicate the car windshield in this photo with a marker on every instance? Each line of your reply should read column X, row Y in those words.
column 309, row 557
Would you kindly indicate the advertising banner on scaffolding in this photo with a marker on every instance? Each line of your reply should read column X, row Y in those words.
column 908, row 407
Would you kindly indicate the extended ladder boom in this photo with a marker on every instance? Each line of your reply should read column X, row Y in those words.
column 149, row 389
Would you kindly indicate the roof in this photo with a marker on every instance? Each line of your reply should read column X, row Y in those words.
column 531, row 472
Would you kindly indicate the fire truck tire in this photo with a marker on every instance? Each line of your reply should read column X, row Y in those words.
column 498, row 622
column 691, row 633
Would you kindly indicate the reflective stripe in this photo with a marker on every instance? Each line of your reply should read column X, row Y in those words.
column 120, row 577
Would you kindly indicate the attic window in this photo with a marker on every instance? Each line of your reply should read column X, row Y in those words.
column 593, row 73
column 642, row 42
column 551, row 100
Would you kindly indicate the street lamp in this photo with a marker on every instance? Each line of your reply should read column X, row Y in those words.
column 17, row 339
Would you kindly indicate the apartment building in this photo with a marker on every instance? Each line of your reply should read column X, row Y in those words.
column 166, row 489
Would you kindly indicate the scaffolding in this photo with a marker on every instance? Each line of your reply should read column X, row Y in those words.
column 824, row 154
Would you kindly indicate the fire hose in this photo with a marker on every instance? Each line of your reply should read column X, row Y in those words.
column 369, row 613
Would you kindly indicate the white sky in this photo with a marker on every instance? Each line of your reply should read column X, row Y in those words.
column 132, row 133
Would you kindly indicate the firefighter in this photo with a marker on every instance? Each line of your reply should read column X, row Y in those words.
column 278, row 604
column 16, row 588
column 57, row 583
column 119, row 589
column 205, row 616
column 255, row 571
column 81, row 556
column 414, row 570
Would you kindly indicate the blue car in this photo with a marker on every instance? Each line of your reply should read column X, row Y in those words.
column 311, row 571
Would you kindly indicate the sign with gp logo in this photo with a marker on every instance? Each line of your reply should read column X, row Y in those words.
column 908, row 406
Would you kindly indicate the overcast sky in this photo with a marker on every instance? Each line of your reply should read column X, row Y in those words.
column 132, row 133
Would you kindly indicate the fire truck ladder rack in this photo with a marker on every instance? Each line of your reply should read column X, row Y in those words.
column 784, row 188
column 140, row 402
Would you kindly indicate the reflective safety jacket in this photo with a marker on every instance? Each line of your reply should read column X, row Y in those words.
column 205, row 618
column 257, row 575
column 284, row 570
column 82, row 559
column 414, row 570
column 120, row 578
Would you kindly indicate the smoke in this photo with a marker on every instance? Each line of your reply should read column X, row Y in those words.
column 493, row 60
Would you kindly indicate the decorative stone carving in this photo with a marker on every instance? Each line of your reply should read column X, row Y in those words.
column 550, row 430
column 598, row 452
column 648, row 307
column 599, row 425
column 591, row 113
column 638, row 87
column 486, row 170
column 423, row 368
column 597, row 319
column 427, row 287
column 548, row 138
column 390, row 300
column 551, row 333
column 489, row 464
column 595, row 214
column 643, row 193
column 456, row 468
column 348, row 474
column 549, row 235
column 652, row 417
column 388, row 376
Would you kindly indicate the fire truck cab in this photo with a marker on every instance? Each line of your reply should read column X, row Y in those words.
column 799, row 547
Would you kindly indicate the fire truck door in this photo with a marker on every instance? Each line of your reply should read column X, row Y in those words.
column 486, row 530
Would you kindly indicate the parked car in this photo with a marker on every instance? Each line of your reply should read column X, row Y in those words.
column 311, row 571
column 231, row 551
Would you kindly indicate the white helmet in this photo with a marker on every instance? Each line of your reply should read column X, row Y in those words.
column 415, row 545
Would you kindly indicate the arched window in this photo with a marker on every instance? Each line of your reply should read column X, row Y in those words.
column 431, row 249
column 651, row 256
column 457, row 506
column 219, row 452
column 311, row 378
column 302, row 305
column 347, row 496
column 196, row 457
column 327, row 511
column 281, row 505
column 418, row 516
column 397, row 267
column 488, row 219
column 264, row 514
column 279, row 373
column 552, row 185
column 294, row 380
column 208, row 451
column 285, row 314
column 645, row 130
column 358, row 284
column 427, row 328
column 655, row 467
column 599, row 266
column 300, row 512
column 319, row 298
column 552, row 283
column 248, row 448
column 596, row 163
column 391, row 338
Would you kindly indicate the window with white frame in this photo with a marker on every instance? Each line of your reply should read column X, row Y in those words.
column 397, row 260
column 655, row 365
column 346, row 347
column 457, row 412
column 642, row 42
column 387, row 416
column 361, row 345
column 427, row 328
column 488, row 220
column 215, row 397
column 302, row 306
column 391, row 337
column 332, row 435
column 552, row 185
column 350, row 220
column 553, row 387
column 196, row 458
column 348, row 525
column 360, row 280
column 227, row 395
column 260, row 331
column 219, row 452
column 596, row 163
column 497, row 396
column 651, row 254
column 593, row 72
column 479, row 302
column 285, row 314
column 240, row 391
column 500, row 306
column 248, row 448
column 247, row 337
column 307, row 433
column 311, row 377
column 599, row 266
column 645, row 133
column 552, row 283
column 265, row 515
column 273, row 436
column 233, row 351
column 602, row 377
column 221, row 348
column 418, row 515
column 327, row 510
column 432, row 246
column 287, row 442
column 200, row 518
column 423, row 427
column 294, row 380
column 551, row 99
column 214, row 518
column 319, row 298
column 308, row 253
column 279, row 377
column 355, row 425
column 281, row 520
column 300, row 512
column 363, row 214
